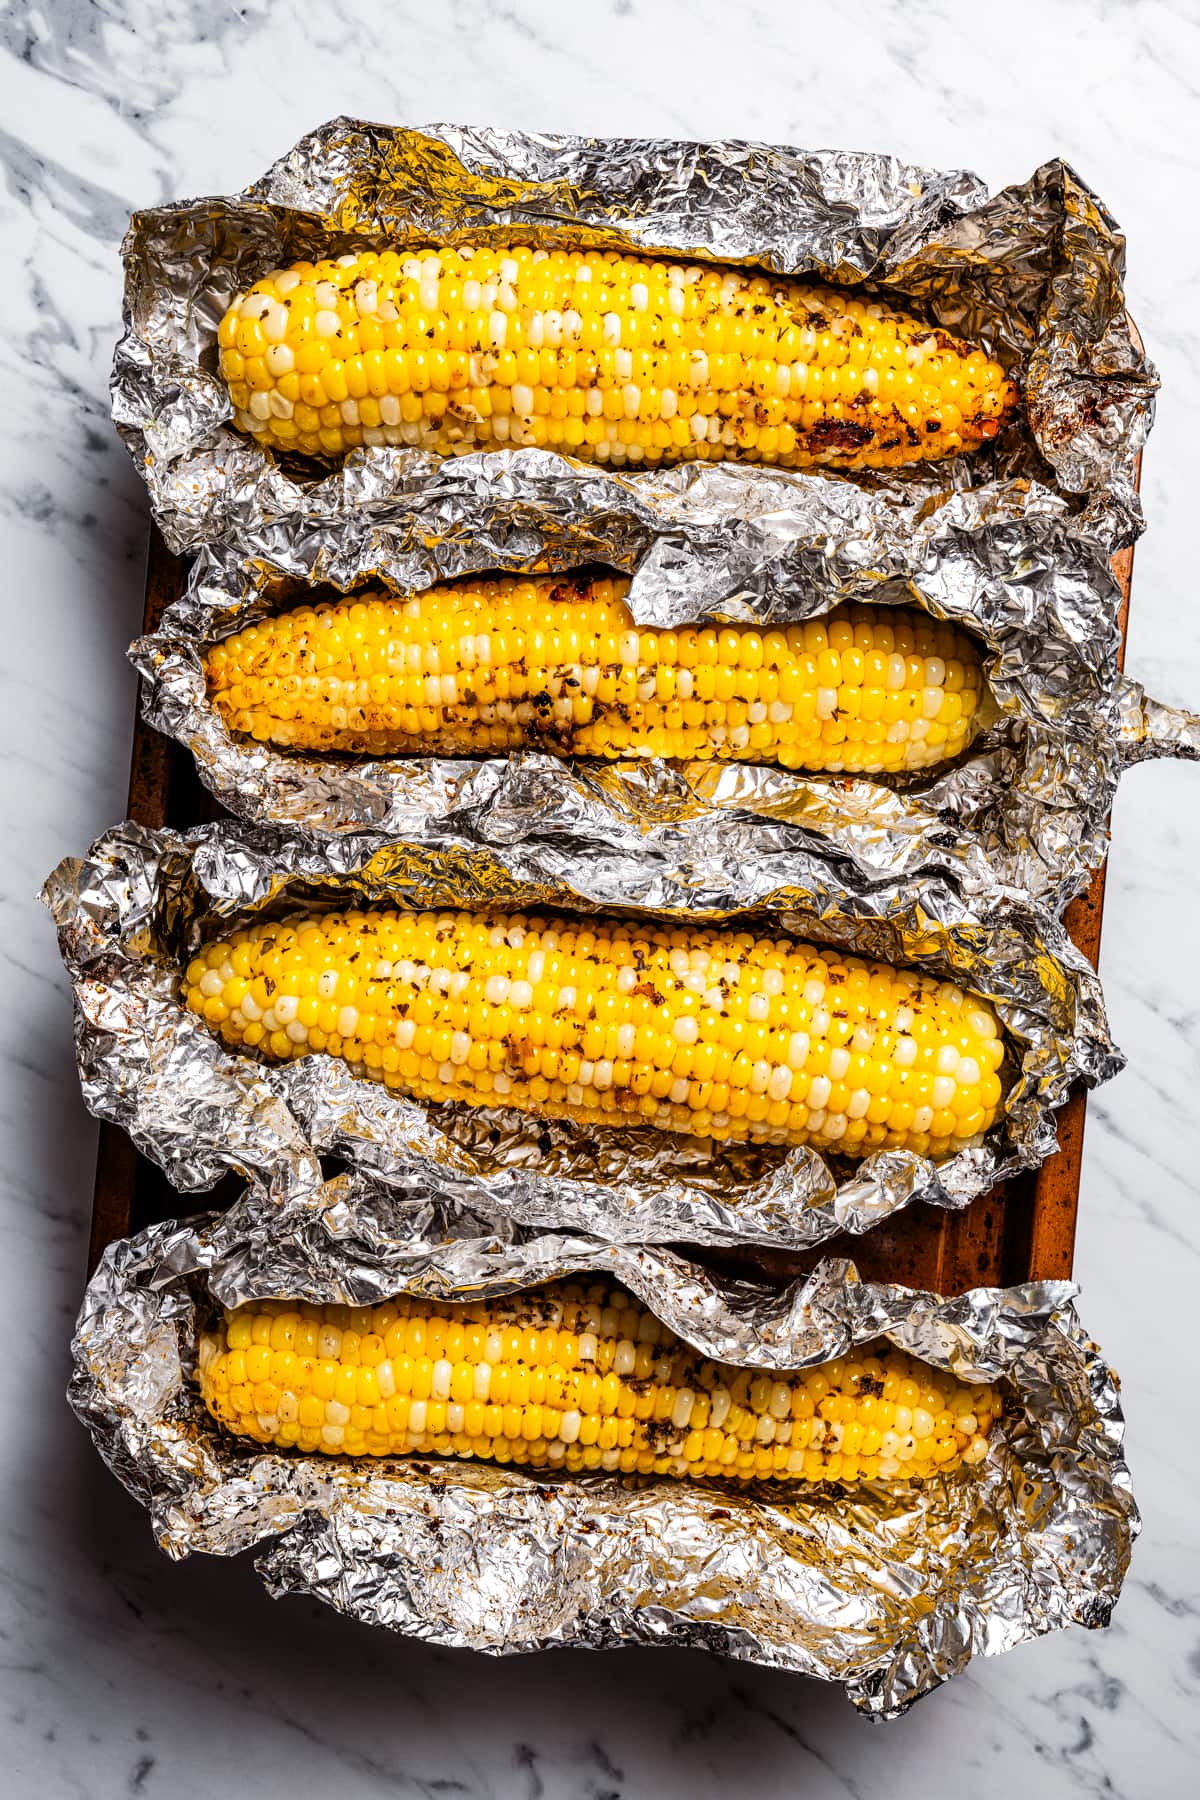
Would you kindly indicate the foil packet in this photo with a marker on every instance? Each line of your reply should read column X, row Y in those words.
column 1028, row 803
column 1033, row 272
column 132, row 911
column 887, row 1592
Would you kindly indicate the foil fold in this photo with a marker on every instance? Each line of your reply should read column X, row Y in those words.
column 1034, row 272
column 886, row 1592
column 131, row 913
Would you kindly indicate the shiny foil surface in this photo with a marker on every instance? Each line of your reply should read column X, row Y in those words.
column 886, row 1591
column 132, row 911
column 1027, row 805
column 1033, row 272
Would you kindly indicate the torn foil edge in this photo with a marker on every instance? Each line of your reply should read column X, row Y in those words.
column 131, row 913
column 1035, row 269
column 889, row 1594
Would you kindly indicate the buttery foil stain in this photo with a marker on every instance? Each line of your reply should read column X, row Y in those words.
column 535, row 835
column 887, row 1593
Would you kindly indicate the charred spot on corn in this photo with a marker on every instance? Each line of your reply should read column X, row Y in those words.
column 599, row 354
column 720, row 1034
column 578, row 1376
column 487, row 666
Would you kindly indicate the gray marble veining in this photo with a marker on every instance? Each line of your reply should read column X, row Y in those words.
column 124, row 1674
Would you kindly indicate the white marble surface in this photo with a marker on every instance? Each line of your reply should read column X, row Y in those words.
column 123, row 1674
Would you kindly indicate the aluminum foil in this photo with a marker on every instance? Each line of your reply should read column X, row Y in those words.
column 888, row 1593
column 1030, row 801
column 132, row 911
column 1034, row 272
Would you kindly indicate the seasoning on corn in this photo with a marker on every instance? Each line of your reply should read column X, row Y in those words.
column 599, row 354
column 717, row 1033
column 559, row 664
column 576, row 1377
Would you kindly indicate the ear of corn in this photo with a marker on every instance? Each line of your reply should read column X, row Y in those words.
column 575, row 1377
column 717, row 1033
column 490, row 666
column 600, row 354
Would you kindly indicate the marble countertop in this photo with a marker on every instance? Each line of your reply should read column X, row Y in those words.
column 123, row 1674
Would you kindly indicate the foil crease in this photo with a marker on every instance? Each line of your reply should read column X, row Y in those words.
column 1026, row 808
column 1034, row 272
column 133, row 910
column 886, row 1592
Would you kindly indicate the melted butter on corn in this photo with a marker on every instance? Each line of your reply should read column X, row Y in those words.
column 572, row 1377
column 496, row 665
column 600, row 354
column 717, row 1033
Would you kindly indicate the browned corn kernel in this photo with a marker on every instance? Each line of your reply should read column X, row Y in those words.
column 516, row 662
column 573, row 1377
column 599, row 354
column 717, row 1033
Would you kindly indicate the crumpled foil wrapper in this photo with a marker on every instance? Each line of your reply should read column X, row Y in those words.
column 887, row 1592
column 1029, row 802
column 131, row 913
column 1034, row 272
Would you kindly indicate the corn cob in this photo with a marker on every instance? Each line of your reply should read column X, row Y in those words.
column 575, row 1377
column 559, row 664
column 715, row 1033
column 599, row 354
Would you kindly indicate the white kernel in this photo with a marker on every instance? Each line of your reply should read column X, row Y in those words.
column 327, row 324
column 780, row 1084
column 260, row 405
column 439, row 1384
column 944, row 1089
column 568, row 1427
column 718, row 1412
column 798, row 1046
column 839, row 1062
column 905, row 1053
column 416, row 1418
column 625, row 1357
column 297, row 1032
column 922, row 1119
column 347, row 1021
column 496, row 991
column 818, row 1093
column 280, row 359
column 967, row 1074
column 481, row 1381
column 286, row 1007
column 858, row 1103
column 685, row 1029
column 522, row 399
